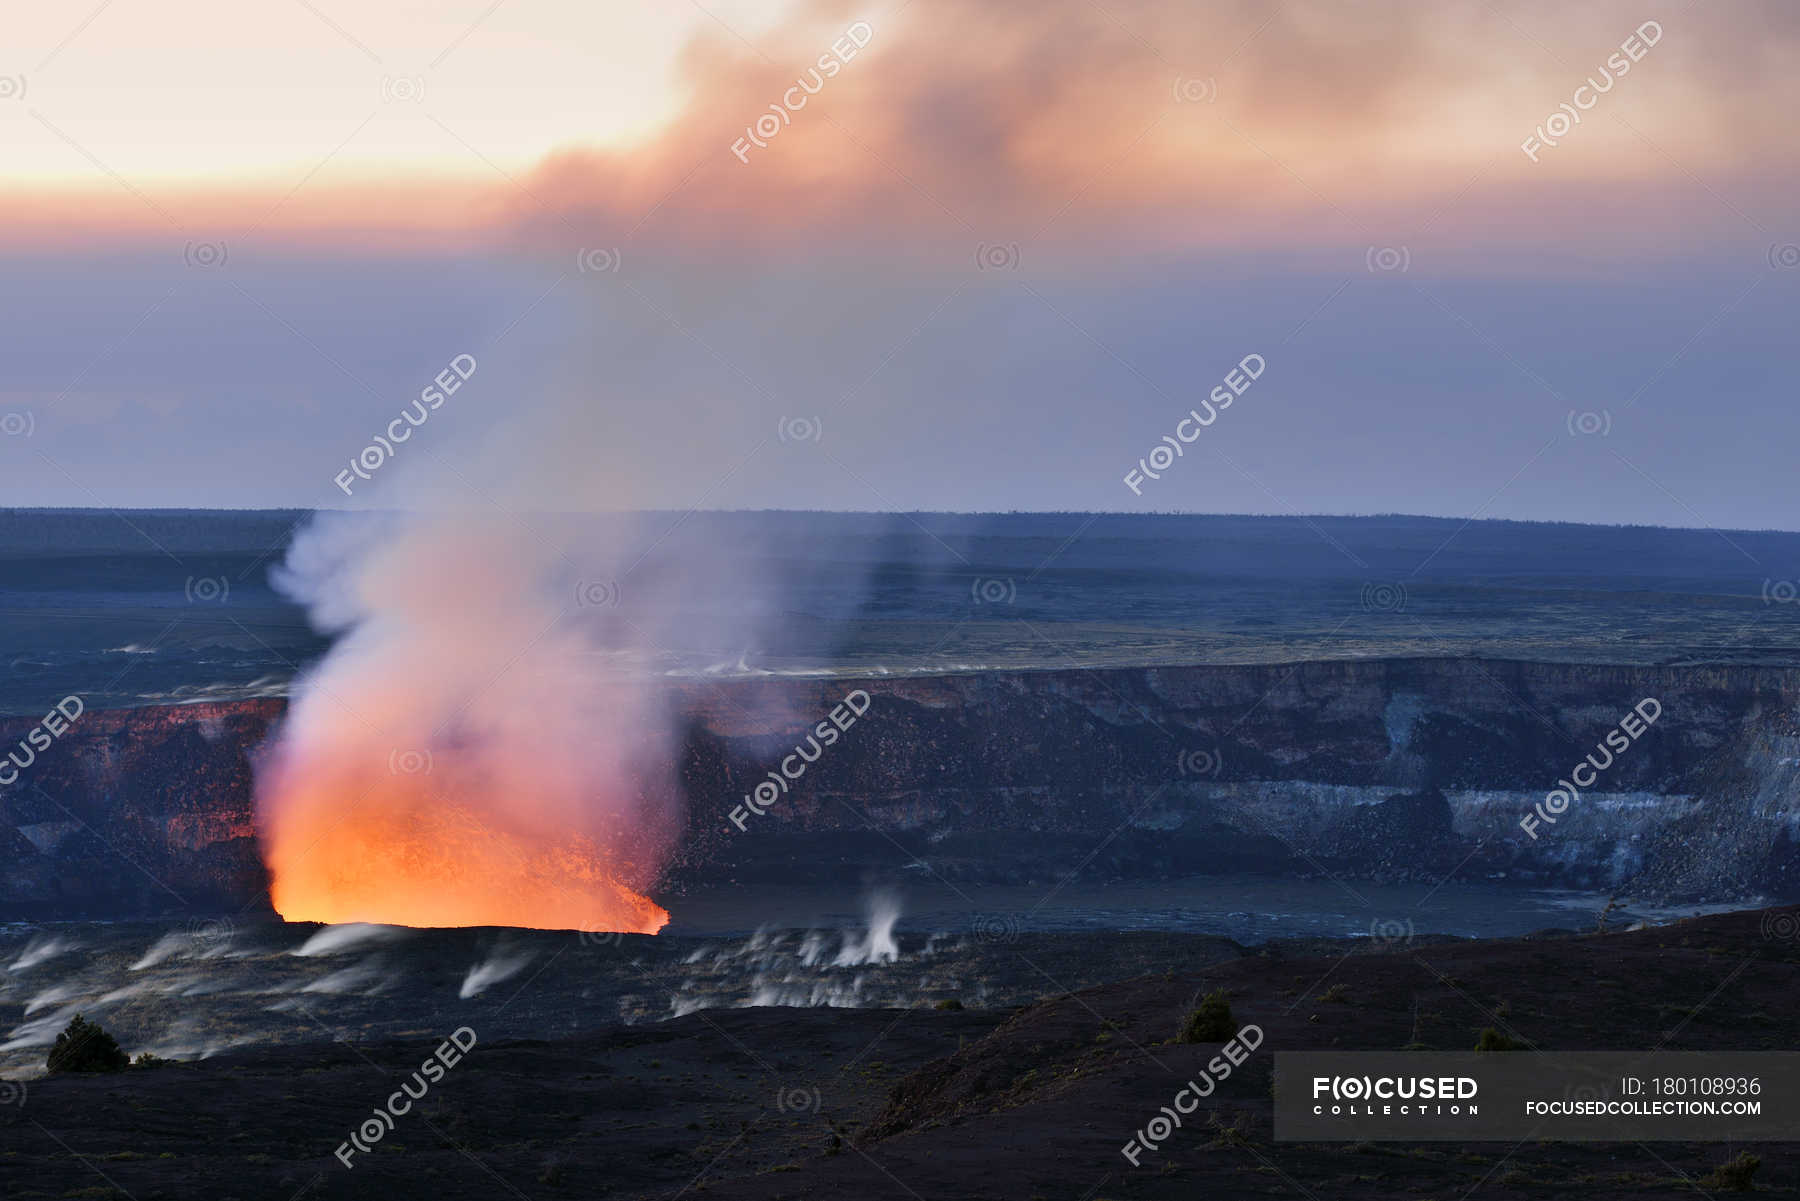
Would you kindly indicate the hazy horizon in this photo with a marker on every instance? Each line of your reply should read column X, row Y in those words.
column 1448, row 518
column 1520, row 261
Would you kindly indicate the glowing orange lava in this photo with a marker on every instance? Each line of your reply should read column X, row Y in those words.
column 402, row 858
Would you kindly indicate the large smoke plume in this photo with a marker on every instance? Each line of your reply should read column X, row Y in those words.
column 489, row 740
column 458, row 759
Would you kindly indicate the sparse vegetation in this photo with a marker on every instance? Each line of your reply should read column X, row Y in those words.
column 1612, row 903
column 84, row 1047
column 1211, row 1022
column 1492, row 1040
column 1233, row 1135
column 950, row 1004
column 1733, row 1176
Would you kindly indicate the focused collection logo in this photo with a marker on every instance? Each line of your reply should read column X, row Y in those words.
column 1396, row 1096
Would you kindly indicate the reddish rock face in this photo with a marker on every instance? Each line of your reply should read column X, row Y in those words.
column 1384, row 769
column 159, row 804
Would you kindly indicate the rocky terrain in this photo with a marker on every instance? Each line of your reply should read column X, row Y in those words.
column 1016, row 1103
column 191, row 991
column 1398, row 769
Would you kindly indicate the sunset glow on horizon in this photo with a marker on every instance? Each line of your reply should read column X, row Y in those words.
column 705, row 219
column 207, row 91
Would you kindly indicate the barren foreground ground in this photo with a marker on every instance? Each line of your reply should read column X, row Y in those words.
column 1025, row 1103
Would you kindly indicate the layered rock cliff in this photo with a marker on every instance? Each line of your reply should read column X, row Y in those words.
column 1365, row 769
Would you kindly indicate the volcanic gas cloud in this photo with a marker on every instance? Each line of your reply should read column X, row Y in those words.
column 460, row 758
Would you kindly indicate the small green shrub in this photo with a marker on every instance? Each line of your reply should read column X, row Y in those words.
column 84, row 1047
column 1212, row 1022
column 1733, row 1176
column 950, row 1004
column 1492, row 1040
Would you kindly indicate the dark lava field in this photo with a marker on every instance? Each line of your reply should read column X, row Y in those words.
column 928, row 1100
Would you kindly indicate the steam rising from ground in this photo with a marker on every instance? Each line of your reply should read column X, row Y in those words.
column 803, row 970
column 500, row 966
column 332, row 940
column 40, row 949
column 191, row 990
column 877, row 945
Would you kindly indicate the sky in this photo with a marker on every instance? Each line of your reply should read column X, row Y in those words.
column 977, row 255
